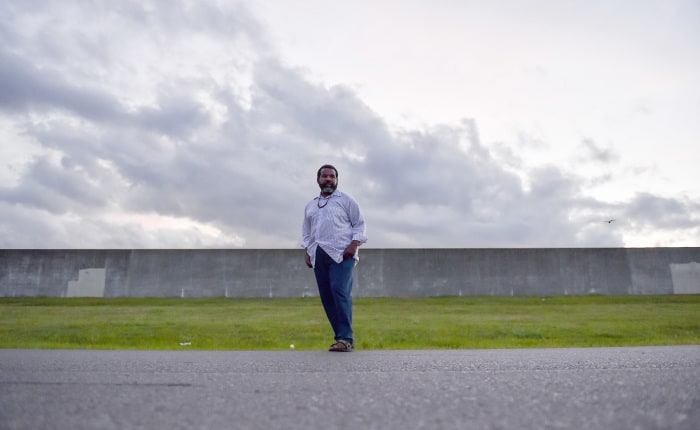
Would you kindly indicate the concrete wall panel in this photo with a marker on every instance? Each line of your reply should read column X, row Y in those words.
column 380, row 273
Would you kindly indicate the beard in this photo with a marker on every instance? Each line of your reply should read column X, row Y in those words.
column 327, row 188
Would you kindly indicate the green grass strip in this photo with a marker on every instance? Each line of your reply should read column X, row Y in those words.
column 380, row 323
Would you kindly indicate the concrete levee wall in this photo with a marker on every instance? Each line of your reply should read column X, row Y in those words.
column 380, row 273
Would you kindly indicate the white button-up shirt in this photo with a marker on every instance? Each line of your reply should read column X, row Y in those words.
column 332, row 223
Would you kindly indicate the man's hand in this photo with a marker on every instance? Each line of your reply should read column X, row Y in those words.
column 308, row 260
column 351, row 250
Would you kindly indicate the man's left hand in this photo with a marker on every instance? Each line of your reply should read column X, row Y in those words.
column 351, row 250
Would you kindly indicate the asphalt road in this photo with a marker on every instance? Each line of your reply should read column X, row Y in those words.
column 608, row 388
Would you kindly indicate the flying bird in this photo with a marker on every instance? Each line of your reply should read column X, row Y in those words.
column 609, row 221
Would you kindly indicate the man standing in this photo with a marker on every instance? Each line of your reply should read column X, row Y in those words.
column 333, row 230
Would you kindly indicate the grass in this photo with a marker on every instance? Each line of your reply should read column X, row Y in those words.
column 379, row 323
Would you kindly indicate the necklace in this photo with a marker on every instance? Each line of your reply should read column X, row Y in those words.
column 318, row 202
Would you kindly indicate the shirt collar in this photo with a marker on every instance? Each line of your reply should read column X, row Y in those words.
column 333, row 194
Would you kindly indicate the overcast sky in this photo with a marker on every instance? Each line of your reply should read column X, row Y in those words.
column 201, row 124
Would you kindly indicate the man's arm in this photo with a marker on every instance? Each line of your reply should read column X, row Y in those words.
column 306, row 238
column 357, row 223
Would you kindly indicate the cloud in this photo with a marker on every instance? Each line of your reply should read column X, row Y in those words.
column 594, row 152
column 54, row 187
column 23, row 86
column 188, row 130
column 663, row 212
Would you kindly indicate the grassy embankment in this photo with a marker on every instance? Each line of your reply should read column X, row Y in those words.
column 380, row 323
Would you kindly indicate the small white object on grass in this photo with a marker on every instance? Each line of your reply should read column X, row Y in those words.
column 291, row 347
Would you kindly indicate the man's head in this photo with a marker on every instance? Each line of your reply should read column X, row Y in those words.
column 327, row 178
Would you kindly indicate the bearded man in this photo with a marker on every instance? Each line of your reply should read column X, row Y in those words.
column 332, row 232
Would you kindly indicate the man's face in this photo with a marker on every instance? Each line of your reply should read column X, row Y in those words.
column 327, row 181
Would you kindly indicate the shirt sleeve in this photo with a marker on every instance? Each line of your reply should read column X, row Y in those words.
column 357, row 222
column 306, row 230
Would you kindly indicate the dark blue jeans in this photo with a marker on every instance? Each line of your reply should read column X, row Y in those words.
column 334, row 282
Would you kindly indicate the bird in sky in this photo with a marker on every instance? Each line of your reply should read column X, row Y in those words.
column 609, row 221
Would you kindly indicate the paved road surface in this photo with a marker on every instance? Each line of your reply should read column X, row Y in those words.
column 609, row 388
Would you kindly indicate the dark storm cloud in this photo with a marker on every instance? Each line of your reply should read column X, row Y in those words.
column 24, row 86
column 175, row 115
column 55, row 188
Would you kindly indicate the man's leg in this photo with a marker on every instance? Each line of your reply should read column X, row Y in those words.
column 341, row 289
column 322, row 271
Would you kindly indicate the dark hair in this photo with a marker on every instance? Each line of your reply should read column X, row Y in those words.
column 326, row 166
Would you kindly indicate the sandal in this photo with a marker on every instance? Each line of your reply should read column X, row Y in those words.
column 341, row 346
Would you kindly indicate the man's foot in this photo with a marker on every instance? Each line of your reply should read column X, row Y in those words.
column 341, row 346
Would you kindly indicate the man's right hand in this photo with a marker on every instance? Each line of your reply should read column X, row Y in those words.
column 308, row 260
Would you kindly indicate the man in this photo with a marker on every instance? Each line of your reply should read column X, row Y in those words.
column 333, row 230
